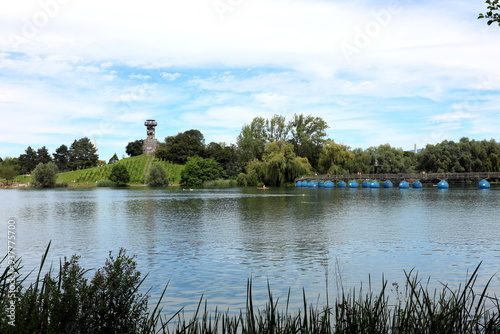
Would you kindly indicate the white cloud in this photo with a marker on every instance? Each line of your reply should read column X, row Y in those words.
column 75, row 72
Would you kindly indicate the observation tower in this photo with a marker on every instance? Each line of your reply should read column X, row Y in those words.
column 150, row 143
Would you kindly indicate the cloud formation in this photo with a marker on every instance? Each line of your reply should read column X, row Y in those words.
column 397, row 72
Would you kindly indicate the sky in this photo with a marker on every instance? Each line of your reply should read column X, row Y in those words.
column 397, row 72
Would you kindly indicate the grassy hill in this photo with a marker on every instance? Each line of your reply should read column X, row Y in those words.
column 138, row 168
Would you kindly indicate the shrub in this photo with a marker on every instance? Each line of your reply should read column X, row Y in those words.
column 119, row 175
column 44, row 175
column 158, row 175
column 220, row 183
column 106, row 183
column 198, row 170
column 69, row 303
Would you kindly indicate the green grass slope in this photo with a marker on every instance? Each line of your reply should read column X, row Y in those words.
column 138, row 168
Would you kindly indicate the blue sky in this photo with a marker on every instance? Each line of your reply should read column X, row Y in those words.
column 397, row 72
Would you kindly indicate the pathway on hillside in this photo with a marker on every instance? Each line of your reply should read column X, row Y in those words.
column 151, row 157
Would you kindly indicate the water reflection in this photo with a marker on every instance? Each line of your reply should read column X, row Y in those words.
column 210, row 241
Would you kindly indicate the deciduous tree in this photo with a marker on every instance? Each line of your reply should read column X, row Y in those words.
column 119, row 175
column 158, row 175
column 44, row 175
column 184, row 145
column 134, row 148
column 198, row 170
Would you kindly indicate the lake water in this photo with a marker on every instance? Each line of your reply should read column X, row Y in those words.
column 210, row 241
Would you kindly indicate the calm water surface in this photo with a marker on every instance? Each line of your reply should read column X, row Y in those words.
column 211, row 241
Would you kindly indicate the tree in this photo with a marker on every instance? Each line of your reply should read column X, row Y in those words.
column 281, row 164
column 161, row 153
column 226, row 155
column 61, row 158
column 308, row 136
column 43, row 155
column 134, row 148
column 184, row 145
column 386, row 159
column 158, row 175
column 198, row 170
column 335, row 158
column 113, row 159
column 44, row 175
column 119, row 175
column 82, row 154
column 28, row 161
column 252, row 140
column 8, row 172
column 493, row 12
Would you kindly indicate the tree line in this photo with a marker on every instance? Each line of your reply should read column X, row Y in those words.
column 275, row 151
column 80, row 155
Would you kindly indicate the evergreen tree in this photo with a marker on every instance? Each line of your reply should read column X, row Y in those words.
column 61, row 158
column 82, row 154
column 113, row 159
column 43, row 155
column 28, row 161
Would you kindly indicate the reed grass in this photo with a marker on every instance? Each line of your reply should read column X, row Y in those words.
column 110, row 302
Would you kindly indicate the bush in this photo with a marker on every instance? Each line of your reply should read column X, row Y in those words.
column 220, row 183
column 44, row 175
column 106, row 183
column 198, row 170
column 119, row 175
column 70, row 303
column 157, row 175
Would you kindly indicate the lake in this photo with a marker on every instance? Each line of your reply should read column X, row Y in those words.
column 210, row 241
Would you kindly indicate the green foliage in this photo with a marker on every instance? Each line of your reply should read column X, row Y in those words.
column 308, row 136
column 28, row 161
column 43, row 155
column 220, row 183
column 8, row 172
column 279, row 165
column 134, row 148
column 252, row 140
column 306, row 133
column 136, row 166
column 335, row 158
column 105, row 183
column 82, row 154
column 119, row 175
column 113, row 159
column 184, row 145
column 67, row 302
column 61, row 158
column 198, row 170
column 227, row 156
column 161, row 153
column 492, row 14
column 158, row 175
column 45, row 175
column 464, row 156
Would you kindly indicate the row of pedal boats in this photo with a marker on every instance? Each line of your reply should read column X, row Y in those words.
column 483, row 184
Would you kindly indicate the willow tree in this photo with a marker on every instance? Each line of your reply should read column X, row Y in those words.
column 281, row 165
column 335, row 158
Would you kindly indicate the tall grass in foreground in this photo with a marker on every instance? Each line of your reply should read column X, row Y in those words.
column 110, row 302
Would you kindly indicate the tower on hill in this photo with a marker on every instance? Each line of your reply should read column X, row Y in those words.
column 150, row 143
